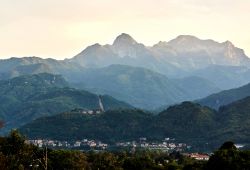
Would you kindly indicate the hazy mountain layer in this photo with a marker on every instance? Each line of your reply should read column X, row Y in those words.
column 133, row 85
column 225, row 97
column 143, row 88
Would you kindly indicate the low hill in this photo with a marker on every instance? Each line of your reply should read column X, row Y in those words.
column 187, row 121
column 191, row 123
column 109, row 127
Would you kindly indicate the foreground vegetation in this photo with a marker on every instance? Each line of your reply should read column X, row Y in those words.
column 15, row 153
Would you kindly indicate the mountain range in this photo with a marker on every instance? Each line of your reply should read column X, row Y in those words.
column 163, row 73
column 183, row 54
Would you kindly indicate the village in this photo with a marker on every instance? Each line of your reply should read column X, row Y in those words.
column 167, row 145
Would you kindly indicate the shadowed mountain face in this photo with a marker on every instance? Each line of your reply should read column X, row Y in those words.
column 29, row 97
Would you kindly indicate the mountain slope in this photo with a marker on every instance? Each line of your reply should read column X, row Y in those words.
column 225, row 97
column 109, row 127
column 225, row 77
column 197, row 87
column 187, row 122
column 234, row 122
column 142, row 87
column 28, row 97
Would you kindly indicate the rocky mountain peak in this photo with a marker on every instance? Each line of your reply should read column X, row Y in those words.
column 124, row 39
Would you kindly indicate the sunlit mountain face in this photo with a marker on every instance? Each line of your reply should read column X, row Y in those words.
column 184, row 53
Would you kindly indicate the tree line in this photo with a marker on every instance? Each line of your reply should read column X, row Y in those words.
column 17, row 154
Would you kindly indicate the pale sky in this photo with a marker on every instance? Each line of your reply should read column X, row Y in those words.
column 62, row 28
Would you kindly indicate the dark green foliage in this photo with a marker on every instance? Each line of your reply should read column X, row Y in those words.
column 14, row 153
column 234, row 122
column 110, row 126
column 62, row 159
column 229, row 158
column 186, row 121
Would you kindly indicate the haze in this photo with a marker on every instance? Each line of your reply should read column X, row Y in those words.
column 62, row 28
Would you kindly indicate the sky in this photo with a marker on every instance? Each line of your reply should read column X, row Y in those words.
column 62, row 28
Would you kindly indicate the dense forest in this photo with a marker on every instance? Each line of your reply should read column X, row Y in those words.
column 187, row 122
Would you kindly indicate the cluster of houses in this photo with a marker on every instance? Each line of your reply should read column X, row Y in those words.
column 166, row 145
column 198, row 156
column 87, row 112
column 93, row 111
column 80, row 144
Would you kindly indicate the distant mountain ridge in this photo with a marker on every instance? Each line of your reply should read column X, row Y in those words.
column 184, row 53
column 225, row 97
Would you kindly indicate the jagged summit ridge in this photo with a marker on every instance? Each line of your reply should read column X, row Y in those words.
column 185, row 53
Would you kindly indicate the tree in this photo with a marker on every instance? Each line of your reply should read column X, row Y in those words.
column 226, row 158
column 1, row 124
column 3, row 161
column 105, row 160
column 64, row 159
column 228, row 145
